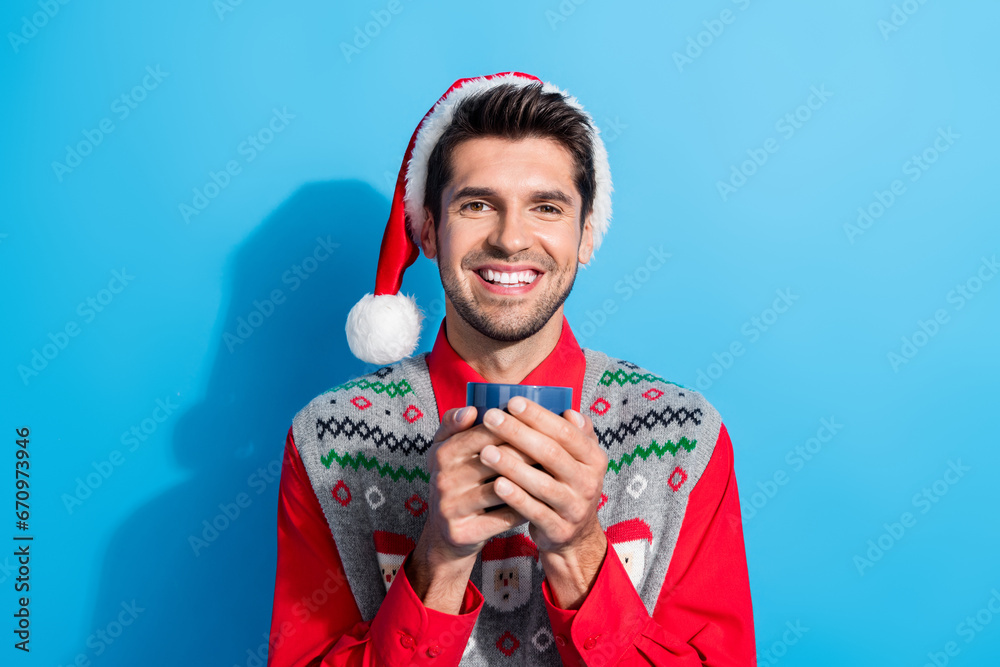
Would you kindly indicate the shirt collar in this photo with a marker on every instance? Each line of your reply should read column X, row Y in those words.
column 564, row 367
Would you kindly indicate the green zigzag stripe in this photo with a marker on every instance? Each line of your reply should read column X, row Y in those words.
column 623, row 378
column 383, row 469
column 392, row 389
column 654, row 448
column 386, row 470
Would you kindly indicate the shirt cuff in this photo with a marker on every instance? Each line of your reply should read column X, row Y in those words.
column 405, row 632
column 584, row 636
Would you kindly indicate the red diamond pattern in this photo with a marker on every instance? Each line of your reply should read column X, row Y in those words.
column 600, row 406
column 604, row 499
column 653, row 394
column 416, row 505
column 412, row 414
column 342, row 498
column 677, row 477
column 508, row 643
column 361, row 403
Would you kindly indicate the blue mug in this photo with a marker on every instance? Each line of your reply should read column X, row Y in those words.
column 486, row 395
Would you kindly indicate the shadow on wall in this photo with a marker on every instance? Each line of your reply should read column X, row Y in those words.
column 199, row 560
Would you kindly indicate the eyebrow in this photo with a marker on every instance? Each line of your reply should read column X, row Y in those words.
column 537, row 195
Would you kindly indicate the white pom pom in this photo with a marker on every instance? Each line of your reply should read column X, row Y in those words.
column 384, row 329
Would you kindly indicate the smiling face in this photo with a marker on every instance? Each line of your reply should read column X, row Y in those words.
column 509, row 240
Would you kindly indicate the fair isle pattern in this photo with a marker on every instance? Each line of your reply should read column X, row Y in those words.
column 364, row 447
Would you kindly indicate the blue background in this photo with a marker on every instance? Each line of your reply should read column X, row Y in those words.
column 674, row 130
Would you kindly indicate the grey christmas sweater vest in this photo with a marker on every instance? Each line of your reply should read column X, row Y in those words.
column 364, row 445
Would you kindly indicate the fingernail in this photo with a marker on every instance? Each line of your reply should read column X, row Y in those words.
column 493, row 417
column 460, row 415
column 490, row 454
column 517, row 405
column 502, row 486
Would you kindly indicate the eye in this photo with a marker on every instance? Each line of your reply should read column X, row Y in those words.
column 475, row 206
column 549, row 208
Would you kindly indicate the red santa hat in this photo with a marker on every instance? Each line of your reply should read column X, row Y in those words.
column 384, row 327
column 392, row 544
column 515, row 546
column 628, row 531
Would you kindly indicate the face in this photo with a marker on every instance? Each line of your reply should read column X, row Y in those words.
column 509, row 240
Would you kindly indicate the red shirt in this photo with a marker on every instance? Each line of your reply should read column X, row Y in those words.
column 703, row 615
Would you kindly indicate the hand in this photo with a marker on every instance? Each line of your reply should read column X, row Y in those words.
column 458, row 495
column 560, row 502
column 457, row 526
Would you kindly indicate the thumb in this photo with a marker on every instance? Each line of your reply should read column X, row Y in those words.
column 455, row 420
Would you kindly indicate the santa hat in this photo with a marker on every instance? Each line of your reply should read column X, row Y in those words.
column 515, row 546
column 392, row 544
column 384, row 327
column 629, row 531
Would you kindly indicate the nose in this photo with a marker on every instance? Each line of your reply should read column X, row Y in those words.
column 511, row 233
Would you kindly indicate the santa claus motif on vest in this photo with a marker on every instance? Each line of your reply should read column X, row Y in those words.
column 629, row 539
column 508, row 563
column 391, row 550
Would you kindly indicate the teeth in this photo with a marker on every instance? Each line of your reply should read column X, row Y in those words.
column 517, row 278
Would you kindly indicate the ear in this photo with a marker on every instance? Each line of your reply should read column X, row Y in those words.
column 586, row 250
column 428, row 237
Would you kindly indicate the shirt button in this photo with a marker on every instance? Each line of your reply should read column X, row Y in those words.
column 434, row 651
column 560, row 640
column 591, row 642
column 406, row 640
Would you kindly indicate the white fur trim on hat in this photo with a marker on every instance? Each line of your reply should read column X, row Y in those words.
column 384, row 329
column 440, row 118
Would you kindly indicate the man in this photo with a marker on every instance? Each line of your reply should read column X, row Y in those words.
column 625, row 548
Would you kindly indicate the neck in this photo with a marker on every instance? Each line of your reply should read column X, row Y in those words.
column 500, row 361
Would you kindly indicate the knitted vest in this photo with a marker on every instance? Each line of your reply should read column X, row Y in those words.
column 364, row 445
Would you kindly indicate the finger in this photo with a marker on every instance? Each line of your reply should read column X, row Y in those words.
column 534, row 443
column 564, row 430
column 455, row 421
column 470, row 471
column 530, row 508
column 539, row 483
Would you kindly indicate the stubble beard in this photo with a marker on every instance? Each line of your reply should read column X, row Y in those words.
column 510, row 325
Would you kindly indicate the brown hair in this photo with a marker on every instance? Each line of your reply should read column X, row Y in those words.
column 515, row 112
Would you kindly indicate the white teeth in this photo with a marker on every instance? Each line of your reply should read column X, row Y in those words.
column 516, row 278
